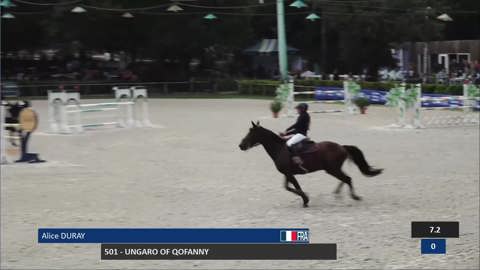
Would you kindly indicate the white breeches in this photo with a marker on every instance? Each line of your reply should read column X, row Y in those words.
column 295, row 139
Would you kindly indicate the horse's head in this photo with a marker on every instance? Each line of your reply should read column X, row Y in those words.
column 253, row 137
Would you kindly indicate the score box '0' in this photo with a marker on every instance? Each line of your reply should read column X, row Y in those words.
column 434, row 246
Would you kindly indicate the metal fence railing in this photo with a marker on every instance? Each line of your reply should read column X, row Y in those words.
column 21, row 89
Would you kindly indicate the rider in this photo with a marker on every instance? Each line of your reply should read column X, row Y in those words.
column 298, row 132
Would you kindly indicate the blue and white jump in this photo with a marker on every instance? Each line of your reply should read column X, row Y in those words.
column 331, row 95
column 466, row 105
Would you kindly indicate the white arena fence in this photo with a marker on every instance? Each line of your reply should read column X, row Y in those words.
column 101, row 88
column 67, row 114
column 466, row 107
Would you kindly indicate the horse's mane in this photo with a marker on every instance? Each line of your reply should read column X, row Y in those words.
column 271, row 134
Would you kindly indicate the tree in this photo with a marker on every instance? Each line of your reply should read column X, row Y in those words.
column 351, row 36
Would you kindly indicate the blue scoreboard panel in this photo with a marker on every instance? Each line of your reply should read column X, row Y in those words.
column 433, row 246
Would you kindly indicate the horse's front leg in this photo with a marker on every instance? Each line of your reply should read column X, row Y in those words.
column 297, row 190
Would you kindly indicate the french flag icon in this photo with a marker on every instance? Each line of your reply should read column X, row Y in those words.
column 294, row 236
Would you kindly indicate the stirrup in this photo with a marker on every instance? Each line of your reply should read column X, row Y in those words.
column 303, row 168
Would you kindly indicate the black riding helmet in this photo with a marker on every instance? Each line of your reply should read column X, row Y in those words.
column 302, row 106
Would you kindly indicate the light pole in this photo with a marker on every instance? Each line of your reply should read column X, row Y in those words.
column 425, row 48
column 282, row 41
column 286, row 89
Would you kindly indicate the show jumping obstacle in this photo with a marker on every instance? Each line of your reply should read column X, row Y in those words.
column 466, row 104
column 26, row 121
column 68, row 115
column 345, row 96
column 404, row 99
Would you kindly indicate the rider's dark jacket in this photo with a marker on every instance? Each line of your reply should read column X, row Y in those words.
column 301, row 126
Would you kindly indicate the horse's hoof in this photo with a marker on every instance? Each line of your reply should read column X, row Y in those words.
column 356, row 198
column 305, row 202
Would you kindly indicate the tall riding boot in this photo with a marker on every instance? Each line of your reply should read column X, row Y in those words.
column 296, row 159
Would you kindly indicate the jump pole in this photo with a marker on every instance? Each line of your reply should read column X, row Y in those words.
column 471, row 97
column 3, row 144
column 348, row 97
column 417, row 121
column 140, row 93
column 80, row 109
column 124, row 93
column 402, row 107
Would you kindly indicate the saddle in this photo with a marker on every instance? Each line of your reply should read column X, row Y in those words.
column 304, row 146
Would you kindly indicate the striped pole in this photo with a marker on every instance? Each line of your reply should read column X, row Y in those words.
column 130, row 121
column 3, row 156
column 348, row 96
column 417, row 121
column 120, row 114
column 55, row 107
column 146, row 120
column 402, row 106
column 290, row 99
column 468, row 101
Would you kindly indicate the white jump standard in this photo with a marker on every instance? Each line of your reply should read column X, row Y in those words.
column 141, row 113
column 57, row 117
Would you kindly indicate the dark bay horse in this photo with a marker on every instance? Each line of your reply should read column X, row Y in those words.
column 328, row 156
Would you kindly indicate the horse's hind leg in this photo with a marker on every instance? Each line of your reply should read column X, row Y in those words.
column 339, row 174
column 297, row 190
column 339, row 188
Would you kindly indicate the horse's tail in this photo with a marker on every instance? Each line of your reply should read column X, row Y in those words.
column 358, row 158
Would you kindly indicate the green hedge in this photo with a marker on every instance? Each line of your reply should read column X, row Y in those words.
column 227, row 84
column 258, row 87
column 267, row 87
column 443, row 89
